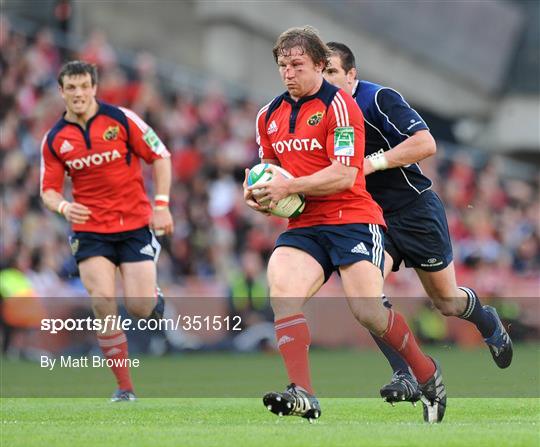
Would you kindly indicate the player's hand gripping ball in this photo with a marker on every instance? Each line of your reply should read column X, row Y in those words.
column 290, row 206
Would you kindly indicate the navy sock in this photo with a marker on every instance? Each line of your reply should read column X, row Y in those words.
column 476, row 314
column 396, row 361
column 386, row 302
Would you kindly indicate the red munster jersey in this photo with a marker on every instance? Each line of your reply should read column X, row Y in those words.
column 103, row 162
column 304, row 135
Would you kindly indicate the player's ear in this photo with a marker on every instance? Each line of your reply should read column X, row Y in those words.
column 320, row 66
column 351, row 75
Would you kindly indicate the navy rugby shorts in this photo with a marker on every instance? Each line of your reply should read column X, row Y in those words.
column 126, row 246
column 335, row 245
column 418, row 235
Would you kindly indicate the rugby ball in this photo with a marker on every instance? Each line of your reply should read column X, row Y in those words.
column 290, row 206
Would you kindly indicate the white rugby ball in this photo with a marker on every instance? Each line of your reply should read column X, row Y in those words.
column 290, row 206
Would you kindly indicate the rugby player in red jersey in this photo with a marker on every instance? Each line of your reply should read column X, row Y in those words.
column 316, row 132
column 99, row 146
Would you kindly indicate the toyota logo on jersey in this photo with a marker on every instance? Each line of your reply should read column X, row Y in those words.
column 297, row 144
column 93, row 160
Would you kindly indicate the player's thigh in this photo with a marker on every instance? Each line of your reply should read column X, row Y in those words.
column 388, row 263
column 293, row 277
column 441, row 287
column 363, row 285
column 139, row 284
column 421, row 232
column 137, row 254
column 439, row 284
column 98, row 277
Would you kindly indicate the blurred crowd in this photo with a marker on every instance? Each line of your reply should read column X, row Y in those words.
column 493, row 220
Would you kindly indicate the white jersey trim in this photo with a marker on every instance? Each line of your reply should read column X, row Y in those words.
column 136, row 119
column 257, row 133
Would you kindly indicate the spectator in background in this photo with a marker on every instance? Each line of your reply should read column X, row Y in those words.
column 27, row 110
column 21, row 310
column 248, row 298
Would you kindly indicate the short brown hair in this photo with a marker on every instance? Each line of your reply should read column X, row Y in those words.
column 74, row 68
column 305, row 37
column 344, row 53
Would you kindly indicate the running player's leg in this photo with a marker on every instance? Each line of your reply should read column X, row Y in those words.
column 371, row 313
column 139, row 284
column 399, row 366
column 403, row 386
column 422, row 237
column 297, row 269
column 362, row 282
column 138, row 253
column 293, row 277
column 98, row 277
column 358, row 251
column 462, row 302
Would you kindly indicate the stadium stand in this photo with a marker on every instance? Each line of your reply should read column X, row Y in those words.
column 493, row 218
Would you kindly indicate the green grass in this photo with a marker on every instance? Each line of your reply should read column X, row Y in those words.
column 214, row 400
column 335, row 374
column 245, row 422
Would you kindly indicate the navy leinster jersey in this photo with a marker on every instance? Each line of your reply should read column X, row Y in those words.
column 389, row 120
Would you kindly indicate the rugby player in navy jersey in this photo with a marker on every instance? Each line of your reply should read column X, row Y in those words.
column 397, row 138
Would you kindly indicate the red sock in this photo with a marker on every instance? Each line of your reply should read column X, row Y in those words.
column 292, row 334
column 115, row 347
column 399, row 336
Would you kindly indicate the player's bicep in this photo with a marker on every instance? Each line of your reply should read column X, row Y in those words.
column 52, row 170
column 397, row 116
column 345, row 141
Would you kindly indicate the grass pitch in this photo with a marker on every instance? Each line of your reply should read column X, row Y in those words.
column 245, row 422
column 214, row 400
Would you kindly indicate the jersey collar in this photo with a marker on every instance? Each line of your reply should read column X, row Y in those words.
column 98, row 111
column 355, row 89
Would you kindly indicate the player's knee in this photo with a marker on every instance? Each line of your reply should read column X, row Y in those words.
column 285, row 306
column 103, row 306
column 140, row 308
column 99, row 288
column 370, row 313
column 448, row 306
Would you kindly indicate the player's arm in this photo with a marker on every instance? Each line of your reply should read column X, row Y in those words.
column 162, row 221
column 148, row 146
column 267, row 155
column 51, row 187
column 73, row 212
column 330, row 180
column 398, row 116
